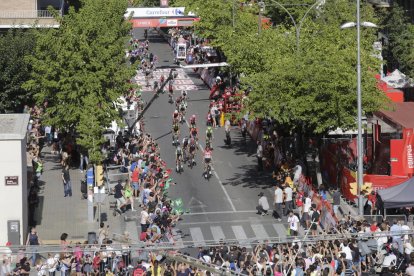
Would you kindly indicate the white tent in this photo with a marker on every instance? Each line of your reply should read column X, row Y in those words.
column 398, row 80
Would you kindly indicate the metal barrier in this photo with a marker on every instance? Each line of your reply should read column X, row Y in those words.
column 374, row 218
column 113, row 174
column 410, row 221
column 391, row 218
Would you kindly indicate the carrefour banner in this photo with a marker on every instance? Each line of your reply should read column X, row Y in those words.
column 154, row 12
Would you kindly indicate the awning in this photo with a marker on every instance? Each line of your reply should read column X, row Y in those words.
column 163, row 22
column 401, row 114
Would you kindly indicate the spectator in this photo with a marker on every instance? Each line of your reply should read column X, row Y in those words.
column 263, row 207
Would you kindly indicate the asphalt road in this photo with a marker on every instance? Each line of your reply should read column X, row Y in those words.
column 224, row 206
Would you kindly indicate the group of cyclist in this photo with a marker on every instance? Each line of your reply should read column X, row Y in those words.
column 187, row 150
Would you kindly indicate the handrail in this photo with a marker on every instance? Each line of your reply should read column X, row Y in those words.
column 166, row 246
column 27, row 14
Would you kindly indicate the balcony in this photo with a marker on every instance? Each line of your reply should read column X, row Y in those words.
column 27, row 18
column 381, row 3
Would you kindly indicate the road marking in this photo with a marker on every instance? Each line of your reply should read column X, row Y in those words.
column 197, row 236
column 221, row 222
column 240, row 235
column 216, row 175
column 280, row 230
column 218, row 212
column 217, row 232
column 259, row 231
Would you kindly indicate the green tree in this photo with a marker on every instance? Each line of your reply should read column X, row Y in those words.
column 15, row 45
column 399, row 52
column 81, row 70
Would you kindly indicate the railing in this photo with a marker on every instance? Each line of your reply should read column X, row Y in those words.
column 27, row 14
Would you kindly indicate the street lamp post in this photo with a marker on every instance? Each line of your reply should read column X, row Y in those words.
column 261, row 8
column 360, row 161
column 297, row 27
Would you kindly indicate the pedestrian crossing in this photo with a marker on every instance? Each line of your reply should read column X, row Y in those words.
column 181, row 82
column 242, row 234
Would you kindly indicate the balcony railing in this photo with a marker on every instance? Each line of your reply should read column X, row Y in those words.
column 27, row 14
column 381, row 3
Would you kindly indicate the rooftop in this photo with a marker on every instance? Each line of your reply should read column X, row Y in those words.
column 401, row 114
column 13, row 126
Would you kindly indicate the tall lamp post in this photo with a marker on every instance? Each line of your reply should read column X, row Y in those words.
column 295, row 24
column 360, row 161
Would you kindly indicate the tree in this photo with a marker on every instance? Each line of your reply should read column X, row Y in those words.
column 399, row 52
column 81, row 70
column 15, row 45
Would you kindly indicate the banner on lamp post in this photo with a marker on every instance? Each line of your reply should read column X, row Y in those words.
column 164, row 3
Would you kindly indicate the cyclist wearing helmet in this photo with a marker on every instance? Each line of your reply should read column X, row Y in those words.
column 209, row 132
column 207, row 157
column 193, row 121
column 175, row 116
column 194, row 133
column 175, row 131
column 178, row 155
column 192, row 147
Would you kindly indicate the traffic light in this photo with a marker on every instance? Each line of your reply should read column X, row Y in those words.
column 99, row 175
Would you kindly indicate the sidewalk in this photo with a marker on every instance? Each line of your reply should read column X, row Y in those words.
column 55, row 213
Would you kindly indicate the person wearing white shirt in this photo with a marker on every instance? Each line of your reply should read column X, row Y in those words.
column 263, row 206
column 306, row 207
column 144, row 219
column 288, row 199
column 278, row 202
column 348, row 252
column 293, row 221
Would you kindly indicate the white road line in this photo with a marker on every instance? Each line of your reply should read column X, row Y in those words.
column 240, row 235
column 218, row 212
column 197, row 236
column 218, row 178
column 221, row 222
column 259, row 231
column 217, row 232
column 280, row 230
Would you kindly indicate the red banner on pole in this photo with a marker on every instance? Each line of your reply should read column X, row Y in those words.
column 408, row 153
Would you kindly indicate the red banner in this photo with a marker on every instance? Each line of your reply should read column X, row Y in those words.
column 408, row 154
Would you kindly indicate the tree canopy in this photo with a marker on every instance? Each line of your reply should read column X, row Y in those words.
column 80, row 70
column 312, row 88
column 15, row 45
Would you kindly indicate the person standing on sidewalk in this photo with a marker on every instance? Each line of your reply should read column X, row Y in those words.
column 67, row 186
column 34, row 241
column 336, row 201
column 278, row 202
column 288, row 199
column 259, row 154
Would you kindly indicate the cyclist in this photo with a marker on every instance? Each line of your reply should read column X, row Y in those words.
column 176, row 132
column 170, row 90
column 193, row 121
column 209, row 135
column 184, row 95
column 194, row 133
column 182, row 109
column 207, row 157
column 192, row 148
column 185, row 148
column 178, row 157
column 175, row 117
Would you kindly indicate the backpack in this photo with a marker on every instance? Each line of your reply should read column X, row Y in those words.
column 139, row 271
